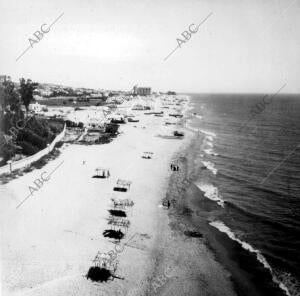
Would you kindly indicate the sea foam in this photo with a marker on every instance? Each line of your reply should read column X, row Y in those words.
column 209, row 151
column 212, row 193
column 210, row 166
column 208, row 143
column 208, row 133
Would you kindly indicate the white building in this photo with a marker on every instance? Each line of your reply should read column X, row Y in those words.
column 35, row 107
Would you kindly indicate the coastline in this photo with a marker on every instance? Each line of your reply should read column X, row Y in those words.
column 197, row 211
column 182, row 247
column 164, row 252
column 55, row 255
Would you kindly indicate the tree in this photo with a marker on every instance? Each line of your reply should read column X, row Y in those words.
column 9, row 98
column 8, row 147
column 26, row 91
column 171, row 93
column 112, row 128
column 10, row 105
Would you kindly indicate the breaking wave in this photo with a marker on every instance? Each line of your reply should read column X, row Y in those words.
column 223, row 228
column 209, row 151
column 212, row 193
column 208, row 133
column 210, row 166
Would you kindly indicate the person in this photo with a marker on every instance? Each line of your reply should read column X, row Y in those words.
column 169, row 204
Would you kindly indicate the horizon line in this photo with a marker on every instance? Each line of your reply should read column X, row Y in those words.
column 177, row 92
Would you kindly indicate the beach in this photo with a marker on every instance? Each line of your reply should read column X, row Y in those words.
column 50, row 241
column 149, row 148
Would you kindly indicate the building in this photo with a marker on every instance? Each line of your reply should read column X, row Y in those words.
column 4, row 78
column 35, row 107
column 142, row 91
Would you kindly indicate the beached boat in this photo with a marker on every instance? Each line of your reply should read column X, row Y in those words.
column 176, row 115
column 119, row 121
column 154, row 113
column 178, row 134
column 132, row 120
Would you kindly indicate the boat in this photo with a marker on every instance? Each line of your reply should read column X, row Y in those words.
column 132, row 120
column 178, row 134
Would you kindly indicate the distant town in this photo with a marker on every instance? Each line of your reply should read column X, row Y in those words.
column 52, row 94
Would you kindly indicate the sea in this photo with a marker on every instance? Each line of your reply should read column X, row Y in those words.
column 247, row 175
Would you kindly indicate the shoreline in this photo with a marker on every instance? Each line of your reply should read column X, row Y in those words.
column 160, row 257
column 180, row 243
column 55, row 254
column 247, row 275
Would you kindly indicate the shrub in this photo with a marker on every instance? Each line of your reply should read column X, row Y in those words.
column 70, row 123
column 103, row 139
column 39, row 127
column 31, row 137
column 27, row 148
column 112, row 128
column 54, row 129
column 8, row 147
column 56, row 125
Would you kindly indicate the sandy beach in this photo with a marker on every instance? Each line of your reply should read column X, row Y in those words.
column 50, row 241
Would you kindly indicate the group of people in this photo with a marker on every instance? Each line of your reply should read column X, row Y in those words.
column 174, row 167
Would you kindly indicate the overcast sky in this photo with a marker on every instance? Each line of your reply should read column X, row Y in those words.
column 244, row 46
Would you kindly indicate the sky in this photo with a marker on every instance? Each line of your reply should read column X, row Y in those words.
column 248, row 46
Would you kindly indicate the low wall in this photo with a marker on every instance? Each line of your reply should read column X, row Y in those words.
column 15, row 165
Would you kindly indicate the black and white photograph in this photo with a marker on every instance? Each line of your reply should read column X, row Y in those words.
column 150, row 148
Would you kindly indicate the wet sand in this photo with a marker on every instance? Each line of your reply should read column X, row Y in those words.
column 184, row 264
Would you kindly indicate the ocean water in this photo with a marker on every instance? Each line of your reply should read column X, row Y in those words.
column 251, row 156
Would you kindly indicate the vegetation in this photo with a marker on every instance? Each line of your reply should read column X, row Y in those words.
column 103, row 139
column 171, row 93
column 112, row 128
column 19, row 133
column 70, row 123
column 26, row 91
column 72, row 102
